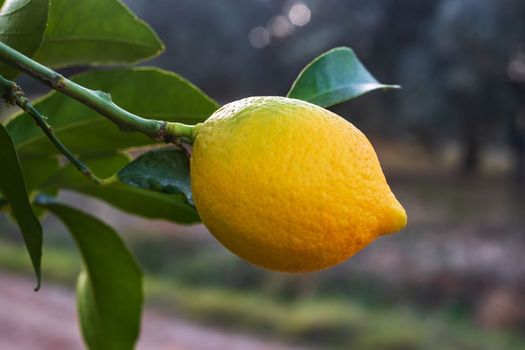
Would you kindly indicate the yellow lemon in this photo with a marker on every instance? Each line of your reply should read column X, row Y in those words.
column 288, row 185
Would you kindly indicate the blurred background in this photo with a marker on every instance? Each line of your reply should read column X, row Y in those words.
column 452, row 144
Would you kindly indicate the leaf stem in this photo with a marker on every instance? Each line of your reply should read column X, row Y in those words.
column 14, row 95
column 97, row 100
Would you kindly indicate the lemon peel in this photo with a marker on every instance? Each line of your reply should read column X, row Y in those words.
column 288, row 185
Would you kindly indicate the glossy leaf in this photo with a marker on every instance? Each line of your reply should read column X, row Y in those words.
column 148, row 92
column 334, row 77
column 110, row 294
column 148, row 204
column 14, row 191
column 165, row 170
column 22, row 26
column 95, row 31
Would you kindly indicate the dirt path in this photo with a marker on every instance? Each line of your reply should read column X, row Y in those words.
column 47, row 320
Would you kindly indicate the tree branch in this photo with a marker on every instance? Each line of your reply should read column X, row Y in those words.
column 97, row 100
column 13, row 95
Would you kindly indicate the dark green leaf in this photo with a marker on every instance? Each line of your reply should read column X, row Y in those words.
column 110, row 292
column 334, row 77
column 148, row 92
column 145, row 203
column 95, row 31
column 22, row 26
column 148, row 204
column 165, row 170
column 14, row 190
column 38, row 170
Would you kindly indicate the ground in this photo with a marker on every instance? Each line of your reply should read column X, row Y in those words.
column 49, row 316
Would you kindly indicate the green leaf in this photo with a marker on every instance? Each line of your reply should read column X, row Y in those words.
column 38, row 170
column 96, row 31
column 334, row 77
column 14, row 191
column 88, row 313
column 110, row 294
column 165, row 170
column 22, row 26
column 147, row 92
column 148, row 204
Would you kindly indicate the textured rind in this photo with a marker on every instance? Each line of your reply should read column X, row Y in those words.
column 288, row 185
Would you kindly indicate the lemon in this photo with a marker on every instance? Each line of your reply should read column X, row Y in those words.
column 288, row 185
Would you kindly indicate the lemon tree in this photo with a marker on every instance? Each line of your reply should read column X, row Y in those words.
column 280, row 181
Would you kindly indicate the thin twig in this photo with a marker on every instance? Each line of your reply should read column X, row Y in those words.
column 13, row 95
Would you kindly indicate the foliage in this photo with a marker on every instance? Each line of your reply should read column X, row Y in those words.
column 109, row 288
column 95, row 31
column 23, row 25
column 334, row 77
column 13, row 189
column 163, row 170
column 62, row 34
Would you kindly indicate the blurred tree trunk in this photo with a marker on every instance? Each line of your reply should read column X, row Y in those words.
column 471, row 151
column 517, row 131
column 517, row 143
column 466, row 100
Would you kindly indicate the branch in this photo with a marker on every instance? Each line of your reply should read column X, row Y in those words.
column 97, row 100
column 13, row 95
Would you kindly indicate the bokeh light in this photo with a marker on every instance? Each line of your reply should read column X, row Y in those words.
column 300, row 14
column 259, row 37
column 280, row 26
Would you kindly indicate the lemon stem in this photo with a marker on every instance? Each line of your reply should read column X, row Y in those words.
column 99, row 101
